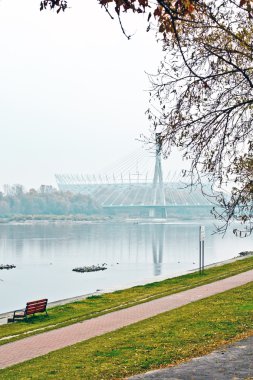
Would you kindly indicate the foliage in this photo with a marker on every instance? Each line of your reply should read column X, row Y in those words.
column 169, row 338
column 94, row 306
column 202, row 96
column 159, row 9
column 61, row 5
column 203, row 101
column 53, row 203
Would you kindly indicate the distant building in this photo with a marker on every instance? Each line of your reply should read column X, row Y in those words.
column 46, row 189
column 15, row 189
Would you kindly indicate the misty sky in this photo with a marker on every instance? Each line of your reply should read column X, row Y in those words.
column 72, row 89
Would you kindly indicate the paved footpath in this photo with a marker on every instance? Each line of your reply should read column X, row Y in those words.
column 41, row 344
column 233, row 362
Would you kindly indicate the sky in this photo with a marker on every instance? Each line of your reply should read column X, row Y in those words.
column 73, row 90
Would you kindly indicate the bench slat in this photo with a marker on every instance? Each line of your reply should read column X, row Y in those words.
column 35, row 310
column 36, row 302
column 39, row 305
column 36, row 305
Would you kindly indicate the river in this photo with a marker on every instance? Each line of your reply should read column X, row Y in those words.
column 135, row 252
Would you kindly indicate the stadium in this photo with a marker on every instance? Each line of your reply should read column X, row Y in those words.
column 136, row 186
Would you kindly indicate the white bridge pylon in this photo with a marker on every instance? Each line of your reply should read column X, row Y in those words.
column 158, row 188
column 159, row 195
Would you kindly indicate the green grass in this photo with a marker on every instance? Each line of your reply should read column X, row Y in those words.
column 97, row 305
column 169, row 338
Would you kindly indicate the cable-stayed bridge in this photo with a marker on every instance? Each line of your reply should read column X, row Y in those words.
column 136, row 185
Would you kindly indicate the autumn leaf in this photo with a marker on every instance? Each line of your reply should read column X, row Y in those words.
column 158, row 12
column 191, row 8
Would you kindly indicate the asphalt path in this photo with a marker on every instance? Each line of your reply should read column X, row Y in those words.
column 232, row 362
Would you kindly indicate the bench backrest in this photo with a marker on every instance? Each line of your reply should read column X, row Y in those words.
column 36, row 306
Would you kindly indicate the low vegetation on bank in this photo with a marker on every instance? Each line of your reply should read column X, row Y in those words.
column 104, row 303
column 45, row 205
column 23, row 218
column 167, row 339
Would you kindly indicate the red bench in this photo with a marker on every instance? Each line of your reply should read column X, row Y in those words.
column 39, row 306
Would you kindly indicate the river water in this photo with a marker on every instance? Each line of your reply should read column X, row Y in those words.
column 135, row 252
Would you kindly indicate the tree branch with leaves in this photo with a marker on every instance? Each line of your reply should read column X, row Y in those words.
column 202, row 96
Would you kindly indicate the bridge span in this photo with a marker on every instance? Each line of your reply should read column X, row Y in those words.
column 132, row 189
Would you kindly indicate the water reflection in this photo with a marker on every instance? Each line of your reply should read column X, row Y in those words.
column 157, row 247
column 134, row 252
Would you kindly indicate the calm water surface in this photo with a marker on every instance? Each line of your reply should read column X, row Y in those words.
column 45, row 254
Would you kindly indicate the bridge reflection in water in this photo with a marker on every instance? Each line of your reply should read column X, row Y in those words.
column 157, row 248
column 136, row 246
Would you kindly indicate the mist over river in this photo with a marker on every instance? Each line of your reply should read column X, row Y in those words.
column 135, row 252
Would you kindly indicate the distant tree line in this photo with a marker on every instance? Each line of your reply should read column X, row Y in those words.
column 54, row 203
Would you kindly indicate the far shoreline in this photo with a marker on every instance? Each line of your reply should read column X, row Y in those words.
column 92, row 219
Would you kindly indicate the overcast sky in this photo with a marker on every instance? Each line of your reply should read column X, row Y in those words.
column 72, row 89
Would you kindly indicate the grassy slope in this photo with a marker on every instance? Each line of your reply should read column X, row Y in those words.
column 94, row 306
column 172, row 337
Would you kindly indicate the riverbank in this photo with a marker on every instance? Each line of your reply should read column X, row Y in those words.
column 65, row 301
column 214, row 314
column 29, row 219
column 81, row 218
column 99, row 304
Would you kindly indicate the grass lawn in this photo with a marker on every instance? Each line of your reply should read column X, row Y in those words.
column 97, row 305
column 169, row 338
